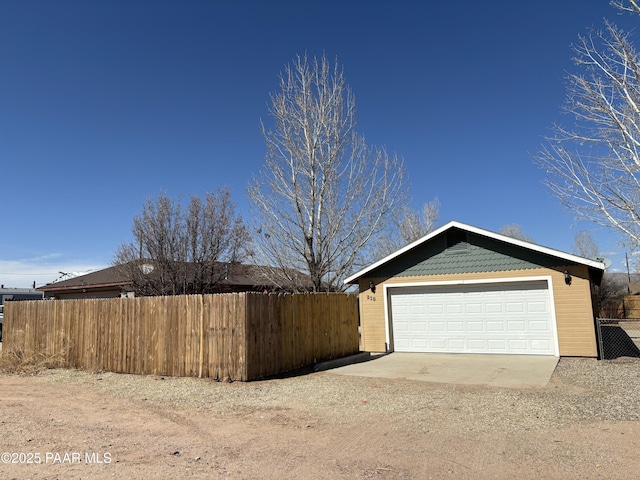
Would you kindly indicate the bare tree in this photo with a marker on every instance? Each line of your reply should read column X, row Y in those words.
column 411, row 225
column 585, row 246
column 177, row 251
column 323, row 194
column 612, row 287
column 514, row 230
column 416, row 224
column 631, row 6
column 593, row 166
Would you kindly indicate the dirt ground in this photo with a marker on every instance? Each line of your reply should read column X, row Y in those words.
column 78, row 425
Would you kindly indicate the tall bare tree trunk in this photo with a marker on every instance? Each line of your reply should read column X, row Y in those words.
column 323, row 194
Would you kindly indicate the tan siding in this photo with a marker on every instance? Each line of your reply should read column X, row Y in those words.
column 574, row 312
column 372, row 322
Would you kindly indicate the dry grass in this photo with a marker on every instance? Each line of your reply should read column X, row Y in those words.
column 23, row 359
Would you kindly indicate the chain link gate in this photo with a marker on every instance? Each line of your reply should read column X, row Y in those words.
column 618, row 337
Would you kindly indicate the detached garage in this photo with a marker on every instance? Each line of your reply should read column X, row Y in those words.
column 462, row 289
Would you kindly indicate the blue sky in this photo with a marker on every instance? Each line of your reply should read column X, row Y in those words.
column 103, row 104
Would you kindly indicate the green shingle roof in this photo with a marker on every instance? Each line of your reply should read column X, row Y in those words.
column 459, row 248
column 478, row 254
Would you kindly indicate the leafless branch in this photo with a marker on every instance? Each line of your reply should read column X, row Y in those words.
column 177, row 251
column 514, row 230
column 409, row 226
column 593, row 167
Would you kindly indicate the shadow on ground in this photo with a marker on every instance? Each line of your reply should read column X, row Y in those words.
column 617, row 343
column 324, row 365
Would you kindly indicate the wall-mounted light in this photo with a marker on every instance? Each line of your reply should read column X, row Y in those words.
column 567, row 277
column 372, row 287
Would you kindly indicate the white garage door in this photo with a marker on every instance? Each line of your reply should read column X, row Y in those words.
column 513, row 318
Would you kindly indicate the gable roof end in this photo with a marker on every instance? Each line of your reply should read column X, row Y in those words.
column 479, row 231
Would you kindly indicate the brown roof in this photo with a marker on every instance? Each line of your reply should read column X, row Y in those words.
column 108, row 277
column 240, row 274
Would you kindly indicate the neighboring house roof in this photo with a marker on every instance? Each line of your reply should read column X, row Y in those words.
column 115, row 277
column 108, row 277
column 594, row 265
column 16, row 291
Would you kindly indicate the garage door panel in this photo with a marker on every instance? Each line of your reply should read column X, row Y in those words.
column 518, row 345
column 400, row 309
column 493, row 308
column 497, row 345
column 453, row 308
column 435, row 308
column 537, row 307
column 496, row 327
column 475, row 326
column 474, row 308
column 539, row 326
column 419, row 327
column 515, row 307
column 417, row 309
column 516, row 325
column 542, row 345
column 401, row 327
column 436, row 327
column 480, row 318
column 476, row 344
column 454, row 326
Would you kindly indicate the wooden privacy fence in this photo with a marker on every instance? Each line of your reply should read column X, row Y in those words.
column 239, row 336
column 630, row 307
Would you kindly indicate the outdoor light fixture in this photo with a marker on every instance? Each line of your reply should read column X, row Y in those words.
column 372, row 287
column 567, row 277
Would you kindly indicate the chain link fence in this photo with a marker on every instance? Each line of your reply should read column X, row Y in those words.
column 619, row 337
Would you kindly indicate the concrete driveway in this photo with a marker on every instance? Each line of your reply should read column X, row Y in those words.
column 466, row 369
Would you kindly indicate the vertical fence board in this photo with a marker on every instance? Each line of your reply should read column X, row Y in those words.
column 232, row 351
column 163, row 343
column 117, row 354
column 187, row 335
column 218, row 332
column 310, row 330
column 223, row 357
column 213, row 331
column 251, row 345
column 172, row 330
column 287, row 333
column 145, row 309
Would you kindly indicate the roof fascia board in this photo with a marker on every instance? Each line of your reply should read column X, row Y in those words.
column 486, row 233
column 92, row 286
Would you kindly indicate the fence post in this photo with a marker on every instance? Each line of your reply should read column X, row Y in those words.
column 600, row 343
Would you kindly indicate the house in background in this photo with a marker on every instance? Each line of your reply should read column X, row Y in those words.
column 18, row 294
column 462, row 289
column 15, row 294
column 107, row 283
column 113, row 282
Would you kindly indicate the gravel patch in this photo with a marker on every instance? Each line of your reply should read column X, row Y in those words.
column 580, row 391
